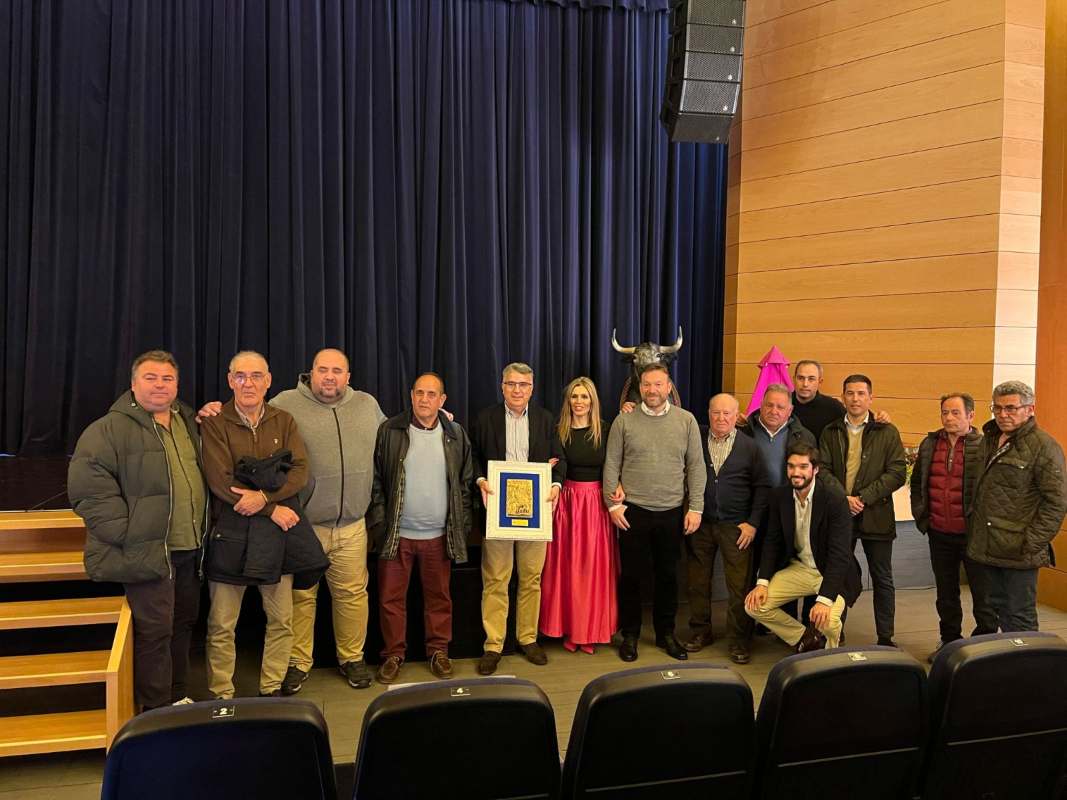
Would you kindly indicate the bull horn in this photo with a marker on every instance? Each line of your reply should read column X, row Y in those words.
column 674, row 348
column 619, row 347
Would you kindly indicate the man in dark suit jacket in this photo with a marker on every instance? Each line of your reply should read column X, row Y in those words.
column 808, row 551
column 515, row 430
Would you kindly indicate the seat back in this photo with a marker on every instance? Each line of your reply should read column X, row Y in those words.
column 842, row 723
column 480, row 738
column 998, row 706
column 224, row 749
column 678, row 731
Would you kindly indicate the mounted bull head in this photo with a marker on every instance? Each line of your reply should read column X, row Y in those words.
column 640, row 356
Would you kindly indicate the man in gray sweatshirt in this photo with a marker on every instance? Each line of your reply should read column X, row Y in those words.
column 338, row 425
column 655, row 453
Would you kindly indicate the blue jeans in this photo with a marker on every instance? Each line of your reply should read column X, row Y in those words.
column 1012, row 594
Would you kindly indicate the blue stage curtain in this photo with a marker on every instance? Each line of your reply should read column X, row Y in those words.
column 427, row 185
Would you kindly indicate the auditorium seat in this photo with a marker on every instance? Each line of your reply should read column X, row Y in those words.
column 223, row 750
column 843, row 723
column 677, row 731
column 470, row 739
column 998, row 706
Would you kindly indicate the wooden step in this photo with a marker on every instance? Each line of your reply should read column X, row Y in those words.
column 59, row 565
column 53, row 733
column 53, row 669
column 56, row 613
column 30, row 520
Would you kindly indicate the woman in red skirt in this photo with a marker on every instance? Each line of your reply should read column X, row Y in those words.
column 578, row 583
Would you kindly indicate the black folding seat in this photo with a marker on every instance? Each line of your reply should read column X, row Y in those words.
column 843, row 723
column 998, row 706
column 679, row 731
column 223, row 750
column 470, row 739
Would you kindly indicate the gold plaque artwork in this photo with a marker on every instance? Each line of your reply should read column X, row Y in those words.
column 518, row 497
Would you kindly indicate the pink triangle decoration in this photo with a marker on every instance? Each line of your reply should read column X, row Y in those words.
column 774, row 368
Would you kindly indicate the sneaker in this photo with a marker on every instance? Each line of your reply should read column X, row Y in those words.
column 293, row 680
column 185, row 701
column 441, row 665
column 356, row 673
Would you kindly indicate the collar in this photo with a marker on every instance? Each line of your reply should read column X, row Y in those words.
column 416, row 424
column 247, row 420
column 509, row 413
column 811, row 493
column 649, row 412
column 727, row 438
column 785, row 425
column 851, row 427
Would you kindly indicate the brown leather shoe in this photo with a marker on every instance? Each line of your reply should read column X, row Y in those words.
column 534, row 653
column 441, row 665
column 698, row 641
column 487, row 663
column 389, row 670
column 739, row 654
column 811, row 640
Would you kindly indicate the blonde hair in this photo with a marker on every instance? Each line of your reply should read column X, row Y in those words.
column 564, row 426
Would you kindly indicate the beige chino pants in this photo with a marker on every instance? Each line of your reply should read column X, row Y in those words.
column 346, row 578
column 792, row 583
column 222, row 622
column 499, row 558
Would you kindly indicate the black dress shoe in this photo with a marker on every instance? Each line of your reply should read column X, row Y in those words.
column 698, row 641
column 671, row 645
column 628, row 648
column 884, row 641
column 811, row 640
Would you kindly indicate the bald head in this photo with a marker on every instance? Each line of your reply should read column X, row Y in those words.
column 332, row 354
column 329, row 375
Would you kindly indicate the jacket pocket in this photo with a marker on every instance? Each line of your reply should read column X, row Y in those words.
column 1006, row 537
column 226, row 554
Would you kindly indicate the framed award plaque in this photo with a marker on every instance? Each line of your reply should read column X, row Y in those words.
column 519, row 507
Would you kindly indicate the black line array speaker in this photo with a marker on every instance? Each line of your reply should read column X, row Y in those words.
column 704, row 69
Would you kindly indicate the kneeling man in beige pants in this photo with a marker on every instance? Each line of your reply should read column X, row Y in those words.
column 808, row 550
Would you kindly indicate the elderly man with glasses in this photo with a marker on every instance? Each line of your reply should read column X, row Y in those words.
column 1020, row 500
column 514, row 430
column 248, row 426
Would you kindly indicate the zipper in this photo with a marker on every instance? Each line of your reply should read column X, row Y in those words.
column 341, row 448
column 399, row 501
column 170, row 502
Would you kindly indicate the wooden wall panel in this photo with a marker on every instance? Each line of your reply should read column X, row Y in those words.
column 1052, row 288
column 883, row 208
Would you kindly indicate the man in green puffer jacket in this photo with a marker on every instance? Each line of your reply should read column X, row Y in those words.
column 1019, row 504
column 136, row 480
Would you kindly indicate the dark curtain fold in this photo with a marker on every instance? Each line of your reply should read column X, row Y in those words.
column 445, row 186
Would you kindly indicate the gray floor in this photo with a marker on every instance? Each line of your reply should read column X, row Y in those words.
column 76, row 776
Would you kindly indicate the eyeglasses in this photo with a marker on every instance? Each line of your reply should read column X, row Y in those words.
column 253, row 377
column 513, row 385
column 1007, row 409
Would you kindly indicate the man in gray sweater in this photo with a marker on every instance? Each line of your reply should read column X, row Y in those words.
column 338, row 425
column 655, row 453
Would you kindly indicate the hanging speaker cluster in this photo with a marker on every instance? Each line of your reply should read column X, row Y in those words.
column 704, row 69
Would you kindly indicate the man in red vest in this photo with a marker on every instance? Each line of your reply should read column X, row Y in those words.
column 942, row 491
